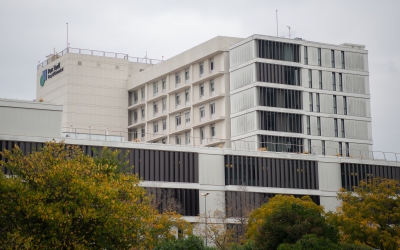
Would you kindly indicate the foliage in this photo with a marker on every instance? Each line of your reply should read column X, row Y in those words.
column 370, row 215
column 310, row 241
column 248, row 245
column 215, row 227
column 289, row 222
column 191, row 242
column 59, row 198
column 110, row 160
column 258, row 216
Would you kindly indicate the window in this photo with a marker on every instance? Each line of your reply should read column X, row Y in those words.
column 340, row 82
column 142, row 93
column 309, row 146
column 202, row 133
column 164, row 124
column 319, row 126
column 187, row 96
column 305, row 55
column 340, row 149
column 281, row 74
column 155, row 108
column 212, row 87
column 334, row 105
column 135, row 116
column 311, row 102
column 319, row 57
column 143, row 132
column 278, row 50
column 347, row 149
column 211, row 64
column 342, row 127
column 177, row 100
column 164, row 141
column 135, row 134
column 178, row 119
column 308, row 125
column 342, row 57
column 135, row 97
column 323, row 147
column 318, row 103
column 212, row 108
column 309, row 78
column 143, row 113
column 335, row 124
column 202, row 112
column 186, row 74
column 201, row 86
column 163, row 85
column 333, row 81
column 333, row 58
column 164, row 104
column 155, row 125
column 212, row 130
column 187, row 117
column 178, row 139
column 187, row 138
column 320, row 79
column 201, row 68
column 177, row 78
column 344, row 105
column 155, row 88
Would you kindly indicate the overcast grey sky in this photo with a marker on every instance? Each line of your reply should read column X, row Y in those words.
column 30, row 30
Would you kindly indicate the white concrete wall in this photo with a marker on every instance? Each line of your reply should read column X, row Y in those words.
column 30, row 118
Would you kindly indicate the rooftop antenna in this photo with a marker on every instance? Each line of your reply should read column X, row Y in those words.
column 289, row 30
column 276, row 23
column 67, row 36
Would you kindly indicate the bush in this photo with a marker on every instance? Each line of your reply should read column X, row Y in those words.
column 312, row 242
column 191, row 242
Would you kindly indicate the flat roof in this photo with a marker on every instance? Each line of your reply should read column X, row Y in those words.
column 15, row 103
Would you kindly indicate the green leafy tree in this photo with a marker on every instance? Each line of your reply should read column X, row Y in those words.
column 111, row 160
column 191, row 242
column 290, row 221
column 370, row 214
column 60, row 198
column 310, row 241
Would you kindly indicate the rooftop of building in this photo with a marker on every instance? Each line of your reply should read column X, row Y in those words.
column 298, row 40
column 34, row 104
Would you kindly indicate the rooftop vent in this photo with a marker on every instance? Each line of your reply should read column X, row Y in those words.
column 298, row 38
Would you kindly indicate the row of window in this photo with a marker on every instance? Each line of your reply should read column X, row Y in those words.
column 280, row 98
column 270, row 172
column 283, row 122
column 318, row 104
column 281, row 144
column 333, row 62
column 278, row 50
column 341, row 151
column 278, row 74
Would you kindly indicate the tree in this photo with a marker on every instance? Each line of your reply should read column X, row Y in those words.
column 310, row 241
column 217, row 228
column 191, row 242
column 59, row 198
column 257, row 217
column 290, row 222
column 370, row 214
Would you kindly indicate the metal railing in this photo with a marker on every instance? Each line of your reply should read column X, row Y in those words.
column 98, row 53
column 239, row 145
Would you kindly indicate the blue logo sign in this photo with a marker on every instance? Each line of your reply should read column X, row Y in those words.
column 43, row 78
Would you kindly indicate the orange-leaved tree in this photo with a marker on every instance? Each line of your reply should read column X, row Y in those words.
column 370, row 214
column 59, row 198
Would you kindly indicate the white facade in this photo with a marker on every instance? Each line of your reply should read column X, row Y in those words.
column 330, row 95
column 216, row 94
column 184, row 100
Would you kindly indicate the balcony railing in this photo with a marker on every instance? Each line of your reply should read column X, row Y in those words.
column 98, row 53
column 241, row 145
